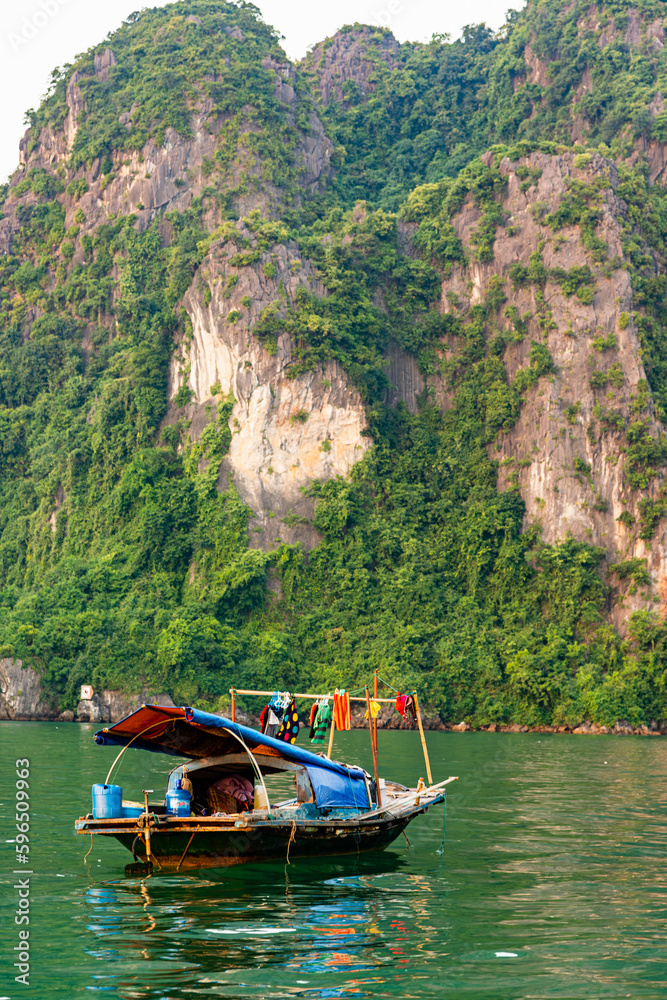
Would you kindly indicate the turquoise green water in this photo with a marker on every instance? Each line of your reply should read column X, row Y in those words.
column 552, row 883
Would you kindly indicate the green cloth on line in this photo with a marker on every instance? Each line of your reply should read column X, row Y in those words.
column 322, row 723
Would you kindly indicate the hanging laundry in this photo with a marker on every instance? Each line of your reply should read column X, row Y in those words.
column 263, row 719
column 322, row 723
column 272, row 724
column 375, row 710
column 289, row 727
column 400, row 703
column 341, row 710
column 410, row 710
column 269, row 722
column 313, row 716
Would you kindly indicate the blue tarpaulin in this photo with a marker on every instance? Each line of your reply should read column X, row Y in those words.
column 339, row 791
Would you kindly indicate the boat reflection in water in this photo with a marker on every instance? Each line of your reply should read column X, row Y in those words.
column 252, row 934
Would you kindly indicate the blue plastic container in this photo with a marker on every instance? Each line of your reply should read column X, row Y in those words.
column 178, row 801
column 131, row 812
column 107, row 801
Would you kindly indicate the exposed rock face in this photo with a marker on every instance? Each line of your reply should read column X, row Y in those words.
column 407, row 382
column 159, row 178
column 569, row 469
column 88, row 710
column 352, row 54
column 314, row 149
column 163, row 178
column 656, row 33
column 537, row 69
column 76, row 107
column 633, row 34
column 286, row 432
column 58, row 502
column 103, row 63
column 21, row 695
column 649, row 37
column 112, row 706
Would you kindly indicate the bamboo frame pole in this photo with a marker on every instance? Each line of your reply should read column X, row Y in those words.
column 331, row 735
column 421, row 733
column 373, row 749
column 375, row 721
column 233, row 694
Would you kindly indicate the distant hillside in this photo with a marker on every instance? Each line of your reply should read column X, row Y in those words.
column 307, row 370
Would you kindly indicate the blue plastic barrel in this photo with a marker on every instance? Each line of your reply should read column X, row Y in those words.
column 107, row 801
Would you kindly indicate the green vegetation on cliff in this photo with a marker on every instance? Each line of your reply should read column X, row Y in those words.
column 124, row 564
column 436, row 106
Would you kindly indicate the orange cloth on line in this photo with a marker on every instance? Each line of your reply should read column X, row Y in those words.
column 341, row 709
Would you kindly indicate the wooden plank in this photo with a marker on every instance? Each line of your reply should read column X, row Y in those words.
column 407, row 797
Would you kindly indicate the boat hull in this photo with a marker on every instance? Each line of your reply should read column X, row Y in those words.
column 220, row 848
column 213, row 842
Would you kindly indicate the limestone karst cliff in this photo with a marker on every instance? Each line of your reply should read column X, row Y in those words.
column 360, row 361
column 286, row 432
column 567, row 452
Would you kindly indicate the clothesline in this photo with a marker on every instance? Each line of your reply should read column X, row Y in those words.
column 313, row 697
column 290, row 723
column 387, row 684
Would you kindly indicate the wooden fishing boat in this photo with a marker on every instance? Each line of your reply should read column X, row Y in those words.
column 336, row 808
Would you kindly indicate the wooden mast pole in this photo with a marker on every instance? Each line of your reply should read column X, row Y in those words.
column 421, row 733
column 232, row 691
column 373, row 749
column 375, row 721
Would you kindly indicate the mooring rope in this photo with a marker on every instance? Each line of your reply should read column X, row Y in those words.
column 291, row 839
column 441, row 849
column 89, row 849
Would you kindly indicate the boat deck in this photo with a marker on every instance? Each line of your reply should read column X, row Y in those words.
column 262, row 834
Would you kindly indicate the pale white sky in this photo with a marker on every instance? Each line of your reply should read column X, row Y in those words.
column 38, row 35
